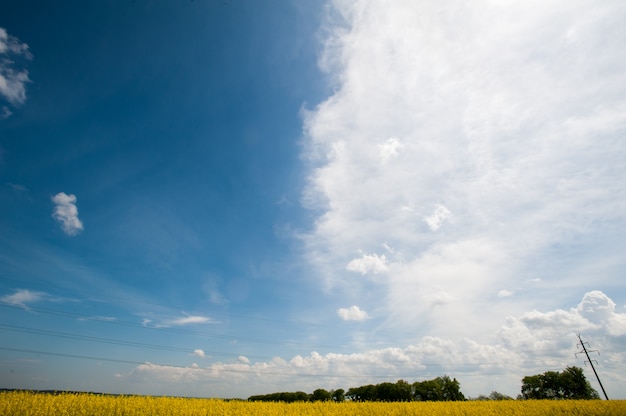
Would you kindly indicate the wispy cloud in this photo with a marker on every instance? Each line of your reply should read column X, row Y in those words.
column 191, row 319
column 505, row 293
column 12, row 79
column 353, row 313
column 168, row 320
column 66, row 213
column 16, row 187
column 23, row 297
column 5, row 112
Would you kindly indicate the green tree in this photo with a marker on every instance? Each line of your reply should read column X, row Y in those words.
column 569, row 384
column 499, row 396
column 362, row 394
column 576, row 386
column 320, row 395
column 338, row 395
column 404, row 391
column 439, row 389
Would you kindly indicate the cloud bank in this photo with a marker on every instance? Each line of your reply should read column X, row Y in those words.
column 482, row 141
column 525, row 345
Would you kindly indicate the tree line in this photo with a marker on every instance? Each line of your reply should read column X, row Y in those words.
column 439, row 389
column 569, row 384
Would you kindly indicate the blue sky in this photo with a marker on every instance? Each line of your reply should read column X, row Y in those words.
column 226, row 198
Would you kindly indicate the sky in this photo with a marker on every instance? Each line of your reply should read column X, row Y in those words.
column 227, row 198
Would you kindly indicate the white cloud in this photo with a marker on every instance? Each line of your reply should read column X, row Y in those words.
column 505, row 293
column 66, row 213
column 353, row 313
column 191, row 319
column 167, row 321
column 596, row 307
column 198, row 353
column 23, row 297
column 12, row 81
column 437, row 218
column 526, row 345
column 389, row 149
column 510, row 116
column 368, row 263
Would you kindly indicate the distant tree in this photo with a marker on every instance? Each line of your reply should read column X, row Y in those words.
column 499, row 396
column 387, row 392
column 321, row 395
column 287, row 397
column 569, row 384
column 404, row 390
column 494, row 395
column 362, row 394
column 439, row 389
column 300, row 396
column 338, row 395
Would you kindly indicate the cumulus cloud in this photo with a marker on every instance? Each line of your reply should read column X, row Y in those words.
column 508, row 122
column 353, row 313
column 23, row 297
column 596, row 307
column 528, row 344
column 198, row 353
column 12, row 79
column 505, row 293
column 368, row 263
column 66, row 213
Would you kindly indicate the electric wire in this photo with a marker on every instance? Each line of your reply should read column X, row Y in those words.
column 165, row 328
column 43, row 332
column 253, row 370
column 113, row 341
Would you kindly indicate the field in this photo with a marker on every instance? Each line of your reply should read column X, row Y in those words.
column 69, row 404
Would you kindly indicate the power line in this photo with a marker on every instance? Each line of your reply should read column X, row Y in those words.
column 87, row 338
column 113, row 341
column 252, row 371
column 104, row 340
column 101, row 298
column 164, row 328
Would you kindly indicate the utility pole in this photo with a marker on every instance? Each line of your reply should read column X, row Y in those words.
column 590, row 361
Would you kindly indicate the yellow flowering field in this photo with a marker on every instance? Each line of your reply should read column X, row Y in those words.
column 70, row 404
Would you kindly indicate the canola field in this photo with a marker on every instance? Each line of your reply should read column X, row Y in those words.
column 71, row 404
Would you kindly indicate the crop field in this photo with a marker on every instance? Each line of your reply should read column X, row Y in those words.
column 70, row 404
